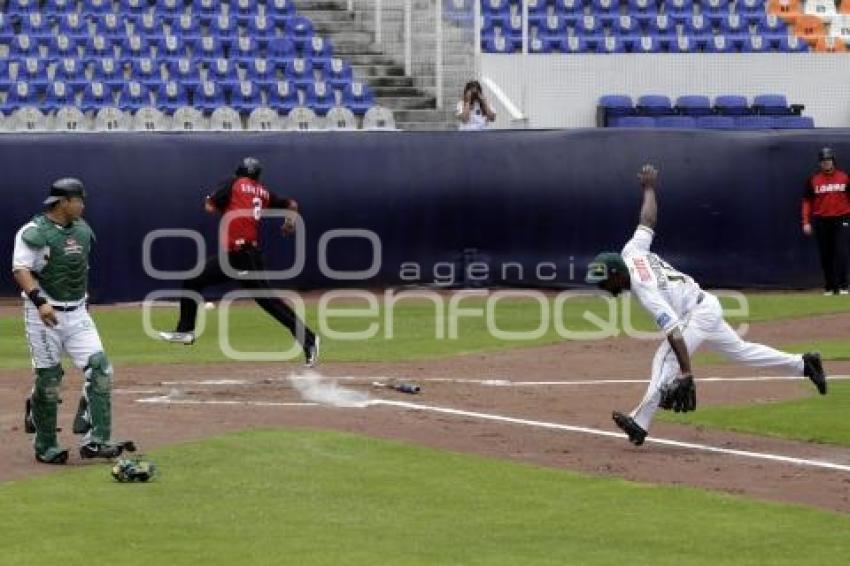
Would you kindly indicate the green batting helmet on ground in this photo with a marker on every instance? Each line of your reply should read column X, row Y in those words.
column 604, row 266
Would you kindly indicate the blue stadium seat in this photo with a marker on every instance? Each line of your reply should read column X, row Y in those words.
column 654, row 105
column 6, row 30
column 75, row 26
column 627, row 25
column 134, row 95
column 732, row 24
column 187, row 27
column 5, row 77
column 280, row 52
column 694, row 105
column 61, row 46
column 320, row 97
column 95, row 96
column 719, row 44
column 97, row 47
column 697, row 25
column 33, row 71
column 223, row 72
column 492, row 43
column 185, row 72
column 613, row 106
column 36, row 26
column 634, row 122
column 170, row 96
column 283, row 96
column 134, row 7
column 58, row 95
column 751, row 11
column 661, row 25
column 170, row 47
column 684, row 122
column 538, row 45
column 243, row 10
column 683, row 44
column 771, row 105
column 170, row 10
column 148, row 24
column 224, row 28
column 753, row 122
column 755, row 44
column 569, row 6
column 302, row 31
column 110, row 26
column 19, row 9
column 206, row 10
column 770, row 23
column 299, row 72
column 208, row 97
column 261, row 28
column 320, row 51
column 134, row 47
column 611, row 44
column 793, row 122
column 282, row 11
column 643, row 11
column 338, row 74
column 146, row 70
column 715, row 122
column 731, row 105
column 72, row 72
column 574, row 44
column 108, row 70
column 357, row 98
column 680, row 11
column 630, row 42
column 244, row 50
column 716, row 11
column 23, row 46
column 647, row 44
column 20, row 95
column 789, row 43
column 245, row 97
column 606, row 11
column 97, row 6
column 54, row 9
column 208, row 48
column 260, row 72
column 588, row 25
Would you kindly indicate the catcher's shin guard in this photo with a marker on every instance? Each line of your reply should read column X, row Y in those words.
column 81, row 420
column 44, row 406
column 97, row 393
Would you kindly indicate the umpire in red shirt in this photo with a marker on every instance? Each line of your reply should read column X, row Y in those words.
column 826, row 214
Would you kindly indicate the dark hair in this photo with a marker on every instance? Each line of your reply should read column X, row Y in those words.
column 472, row 85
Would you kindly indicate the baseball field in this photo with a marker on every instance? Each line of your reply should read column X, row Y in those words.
column 507, row 455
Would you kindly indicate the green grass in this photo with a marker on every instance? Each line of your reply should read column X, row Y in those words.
column 833, row 350
column 413, row 334
column 814, row 418
column 315, row 498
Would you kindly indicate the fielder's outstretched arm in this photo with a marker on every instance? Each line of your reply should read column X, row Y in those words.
column 677, row 343
column 648, row 178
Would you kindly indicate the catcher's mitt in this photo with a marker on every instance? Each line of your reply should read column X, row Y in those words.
column 133, row 469
column 680, row 395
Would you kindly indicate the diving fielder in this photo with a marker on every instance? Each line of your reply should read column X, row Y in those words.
column 50, row 264
column 687, row 314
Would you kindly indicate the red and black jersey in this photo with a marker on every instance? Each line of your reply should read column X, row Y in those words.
column 826, row 195
column 249, row 198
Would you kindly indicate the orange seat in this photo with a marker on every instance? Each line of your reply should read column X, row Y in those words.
column 830, row 45
column 844, row 8
column 809, row 28
column 788, row 10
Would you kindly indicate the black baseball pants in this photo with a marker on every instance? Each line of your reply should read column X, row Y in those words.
column 833, row 237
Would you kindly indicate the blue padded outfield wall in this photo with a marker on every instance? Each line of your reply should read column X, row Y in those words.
column 729, row 201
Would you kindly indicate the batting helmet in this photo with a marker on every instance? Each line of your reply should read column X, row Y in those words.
column 66, row 187
column 826, row 153
column 249, row 167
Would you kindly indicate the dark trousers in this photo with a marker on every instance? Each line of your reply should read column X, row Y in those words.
column 833, row 237
column 245, row 259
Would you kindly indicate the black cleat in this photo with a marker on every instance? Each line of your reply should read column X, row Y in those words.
column 628, row 425
column 813, row 369
column 106, row 450
column 311, row 353
column 53, row 456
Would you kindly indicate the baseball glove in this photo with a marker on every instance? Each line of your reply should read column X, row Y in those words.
column 679, row 395
column 133, row 470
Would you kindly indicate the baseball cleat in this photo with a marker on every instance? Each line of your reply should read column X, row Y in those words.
column 628, row 425
column 53, row 456
column 813, row 369
column 106, row 449
column 311, row 353
column 185, row 338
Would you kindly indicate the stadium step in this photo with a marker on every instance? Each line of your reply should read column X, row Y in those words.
column 407, row 102
column 377, row 71
column 395, row 91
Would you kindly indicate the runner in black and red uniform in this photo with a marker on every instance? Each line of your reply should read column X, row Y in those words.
column 826, row 213
column 243, row 194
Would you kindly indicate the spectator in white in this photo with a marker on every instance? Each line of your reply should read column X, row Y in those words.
column 473, row 112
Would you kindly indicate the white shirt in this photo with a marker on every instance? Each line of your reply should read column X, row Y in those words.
column 25, row 257
column 477, row 119
column 668, row 295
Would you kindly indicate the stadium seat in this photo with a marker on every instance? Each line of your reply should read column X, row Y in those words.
column 72, row 72
column 694, row 105
column 28, row 119
column 613, row 106
column 5, row 78
column 339, row 118
column 185, row 72
column 170, row 47
column 731, row 105
column 792, row 44
column 223, row 27
column 107, row 71
column 554, row 25
column 280, row 52
column 188, row 119
column 610, row 44
column 149, row 119
column 719, row 44
column 97, row 47
column 605, row 11
column 188, row 28
column 69, row 119
column 647, row 44
column 225, row 119
column 379, row 118
column 23, row 46
column 830, row 45
column 243, row 10
column 97, row 7
column 680, row 11
column 497, row 44
column 654, row 105
column 732, row 24
column 302, row 119
column 683, row 44
column 627, row 25
column 263, row 119
column 205, row 11
column 96, row 96
column 633, row 122
column 320, row 51
column 33, row 71
column 57, row 8
column 61, row 47
column 752, row 11
column 661, row 25
column 793, row 122
column 6, row 30
column 148, row 24
column 58, row 95
column 320, row 97
column 300, row 72
column 74, row 26
column 261, row 28
column 243, row 50
column 170, row 10
column 302, row 31
column 588, row 25
column 208, row 49
column 146, row 71
column 134, row 7
column 171, row 96
column 357, row 98
column 110, row 26
column 771, row 105
column 282, row 11
column 134, row 95
column 260, row 72
column 283, row 96
column 18, row 9
column 643, row 11
column 684, row 122
column 753, row 122
column 209, row 97
column 223, row 72
column 697, row 25
column 245, row 97
column 135, row 47
column 111, row 119
column 36, row 26
column 338, row 74
column 538, row 45
column 715, row 122
column 755, row 44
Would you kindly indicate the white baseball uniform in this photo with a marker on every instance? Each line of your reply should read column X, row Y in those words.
column 675, row 300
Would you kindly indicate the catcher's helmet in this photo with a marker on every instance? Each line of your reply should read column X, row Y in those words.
column 66, row 187
column 826, row 153
column 249, row 167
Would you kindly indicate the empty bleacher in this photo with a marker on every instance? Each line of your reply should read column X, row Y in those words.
column 100, row 57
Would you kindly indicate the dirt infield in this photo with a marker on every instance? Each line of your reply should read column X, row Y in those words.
column 238, row 396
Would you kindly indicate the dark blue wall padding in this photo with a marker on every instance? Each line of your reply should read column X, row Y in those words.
column 729, row 200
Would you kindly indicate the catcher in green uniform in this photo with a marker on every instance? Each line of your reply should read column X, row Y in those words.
column 51, row 264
